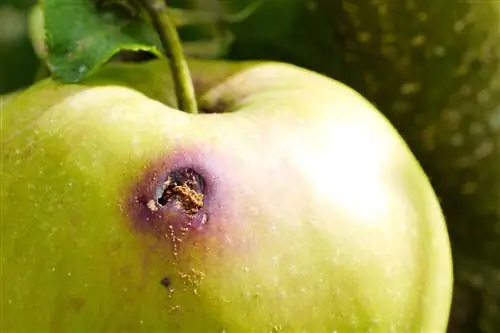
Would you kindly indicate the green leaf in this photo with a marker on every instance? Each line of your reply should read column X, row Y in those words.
column 81, row 35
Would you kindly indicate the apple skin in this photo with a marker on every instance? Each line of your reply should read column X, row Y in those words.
column 4, row 99
column 317, row 217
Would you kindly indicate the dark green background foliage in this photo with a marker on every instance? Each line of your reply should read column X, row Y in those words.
column 18, row 63
column 432, row 67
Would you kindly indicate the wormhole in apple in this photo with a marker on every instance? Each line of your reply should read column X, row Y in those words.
column 184, row 189
column 170, row 202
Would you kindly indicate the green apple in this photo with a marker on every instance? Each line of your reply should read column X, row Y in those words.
column 290, row 204
column 4, row 99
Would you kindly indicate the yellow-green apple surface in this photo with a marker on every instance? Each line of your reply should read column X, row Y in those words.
column 289, row 204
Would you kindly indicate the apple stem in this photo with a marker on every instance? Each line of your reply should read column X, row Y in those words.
column 184, row 89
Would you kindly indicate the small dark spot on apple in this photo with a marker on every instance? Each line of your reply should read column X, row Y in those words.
column 166, row 282
column 76, row 303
